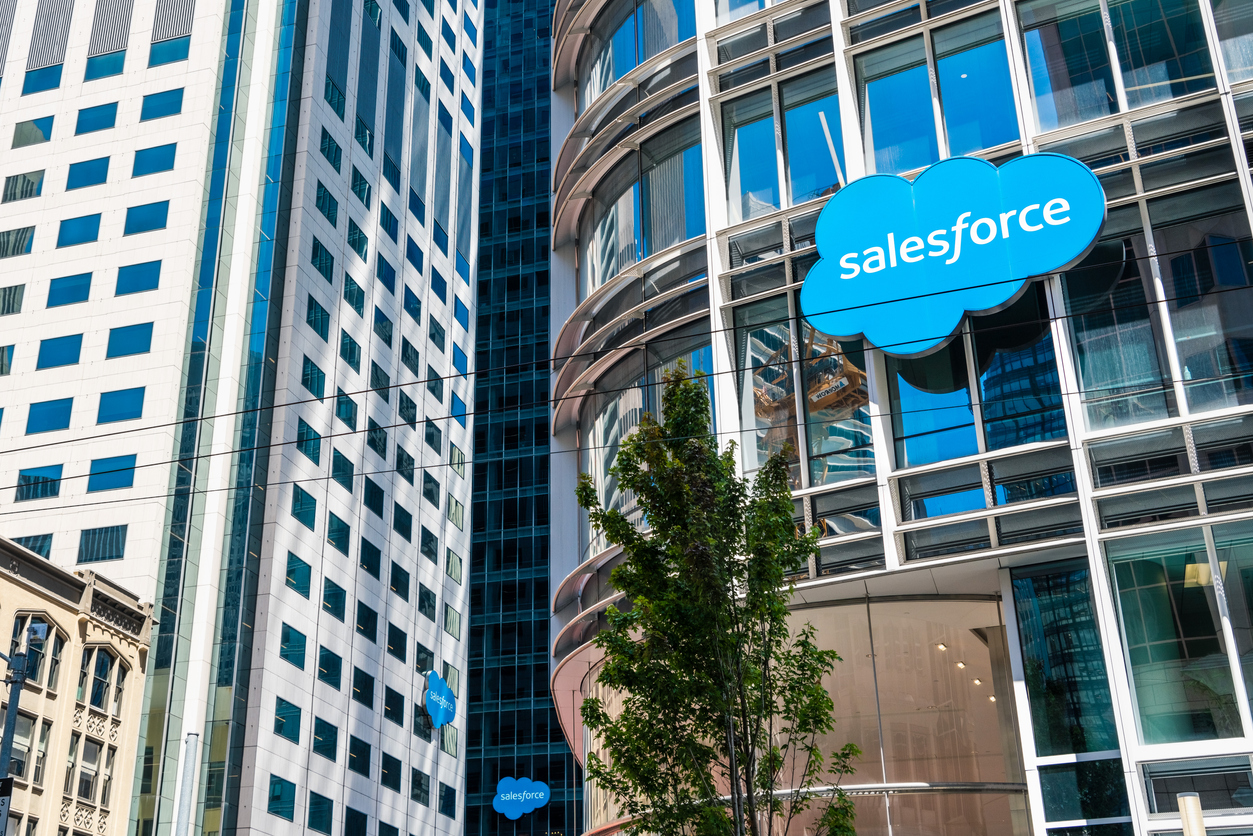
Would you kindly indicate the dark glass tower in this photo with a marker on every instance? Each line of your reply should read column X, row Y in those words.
column 513, row 729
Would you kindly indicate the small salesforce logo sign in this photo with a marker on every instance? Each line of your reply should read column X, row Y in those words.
column 515, row 797
column 902, row 263
column 441, row 703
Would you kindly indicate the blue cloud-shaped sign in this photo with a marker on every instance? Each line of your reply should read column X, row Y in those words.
column 441, row 702
column 515, row 797
column 903, row 262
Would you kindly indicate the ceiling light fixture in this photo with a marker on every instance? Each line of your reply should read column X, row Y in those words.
column 961, row 665
column 977, row 681
column 942, row 646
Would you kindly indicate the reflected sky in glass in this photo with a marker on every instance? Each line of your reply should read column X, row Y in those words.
column 977, row 99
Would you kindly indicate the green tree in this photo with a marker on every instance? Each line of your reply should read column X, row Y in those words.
column 719, row 705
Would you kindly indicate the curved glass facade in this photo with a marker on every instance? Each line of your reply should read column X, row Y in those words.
column 626, row 34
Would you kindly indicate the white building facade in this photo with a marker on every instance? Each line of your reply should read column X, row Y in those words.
column 236, row 329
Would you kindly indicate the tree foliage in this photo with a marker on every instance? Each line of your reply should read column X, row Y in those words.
column 720, row 706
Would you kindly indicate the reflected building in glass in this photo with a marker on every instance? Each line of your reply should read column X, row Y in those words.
column 1036, row 553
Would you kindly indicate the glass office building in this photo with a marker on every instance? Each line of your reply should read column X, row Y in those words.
column 1037, row 540
column 513, row 730
column 216, row 394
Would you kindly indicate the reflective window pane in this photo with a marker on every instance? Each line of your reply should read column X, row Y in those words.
column 837, row 408
column 1234, row 544
column 750, row 157
column 972, row 69
column 1067, row 61
column 1168, row 613
column 932, row 419
column 812, row 144
column 673, row 187
column 1162, row 49
column 894, row 93
column 610, row 230
column 767, row 398
column 1234, row 21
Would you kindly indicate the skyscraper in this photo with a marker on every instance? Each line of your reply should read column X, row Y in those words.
column 250, row 413
column 513, row 730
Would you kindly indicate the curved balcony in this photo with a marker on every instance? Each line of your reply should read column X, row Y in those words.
column 595, row 43
column 591, row 577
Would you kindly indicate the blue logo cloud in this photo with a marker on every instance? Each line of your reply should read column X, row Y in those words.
column 441, row 702
column 902, row 262
column 515, row 797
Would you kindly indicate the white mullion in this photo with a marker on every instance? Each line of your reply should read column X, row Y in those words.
column 1229, row 635
column 937, row 109
column 1120, row 87
column 1163, row 313
column 799, row 398
column 881, row 437
column 1022, row 706
column 1020, row 82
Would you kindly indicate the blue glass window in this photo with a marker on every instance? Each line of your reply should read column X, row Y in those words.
column 752, row 173
column 47, row 416
column 341, row 470
column 461, row 313
column 1162, row 49
column 59, row 351
column 361, row 187
column 334, row 600
column 972, row 70
column 321, row 813
column 129, row 340
column 413, row 254
column 77, row 231
column 152, row 160
column 32, row 132
column 388, row 221
column 932, row 417
column 371, row 558
column 424, row 40
column 99, row 544
column 146, row 218
column 334, row 97
column 23, row 186
column 168, row 52
column 446, row 75
column 450, row 37
column 286, row 724
column 413, row 305
column 159, row 105
column 308, row 441
column 383, row 326
column 893, row 89
column 345, row 408
column 104, row 66
column 322, row 260
column 318, row 318
column 69, row 290
column 111, row 473
column 1067, row 62
column 439, row 286
column 326, row 204
column 812, row 141
column 299, row 575
column 40, row 544
column 402, row 521
column 136, row 278
column 458, row 409
column 338, row 533
column 44, row 78
column 291, row 646
column 325, row 740
column 38, row 483
column 16, row 242
column 349, row 350
column 467, row 26
column 467, row 109
column 459, row 360
column 357, row 240
column 354, row 295
column 87, row 173
column 364, row 136
column 304, row 507
column 120, row 405
column 385, row 273
column 98, row 118
column 467, row 67
column 313, row 379
column 330, row 150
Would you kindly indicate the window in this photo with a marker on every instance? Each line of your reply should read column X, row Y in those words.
column 461, row 313
column 458, row 409
column 402, row 521
column 388, row 222
column 381, row 385
column 382, row 326
column 105, row 66
column 413, row 305
column 298, row 574
column 448, row 740
column 304, row 507
column 436, row 333
column 77, row 231
column 364, row 137
column 308, row 441
column 358, row 755
column 447, row 801
column 423, row 658
column 325, row 739
column 409, row 357
column 389, row 775
column 362, row 687
column 313, row 378
column 292, row 646
column 129, row 340
column 434, row 437
column 99, row 544
column 334, row 97
column 169, row 52
column 452, row 565
column 397, row 642
column 420, row 787
column 371, row 556
column 327, row 205
column 329, row 667
column 321, row 813
column 467, row 109
column 136, row 278
column 394, row 706
column 317, row 318
column 456, row 512
column 32, row 132
column 282, row 799
column 6, row 363
column 152, row 160
column 345, row 409
column 287, row 720
column 23, row 186
column 459, row 360
column 400, row 581
column 47, row 416
column 44, row 78
column 338, row 533
column 457, row 460
column 120, row 405
column 89, row 770
column 467, row 67
column 111, row 473
column 357, row 240
column 354, row 295
column 452, row 622
column 385, row 272
column 322, row 260
column 376, row 438
column 146, row 218
column 15, row 242
column 434, row 383
column 430, row 488
column 350, row 350
column 430, row 545
column 360, row 187
column 426, row 601
column 342, row 470
column 367, row 622
column 69, row 290
column 331, row 151
column 333, row 598
column 38, row 483
column 424, row 40
column 439, row 287
column 159, row 105
column 408, row 411
column 98, row 118
column 404, row 464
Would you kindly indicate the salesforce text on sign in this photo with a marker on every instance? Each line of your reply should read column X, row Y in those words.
column 902, row 263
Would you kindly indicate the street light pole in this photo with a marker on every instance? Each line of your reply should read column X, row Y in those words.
column 35, row 634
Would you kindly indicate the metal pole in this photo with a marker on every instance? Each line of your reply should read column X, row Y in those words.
column 182, row 819
column 17, row 670
column 1189, row 810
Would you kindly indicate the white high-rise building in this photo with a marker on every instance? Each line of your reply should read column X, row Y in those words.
column 236, row 329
